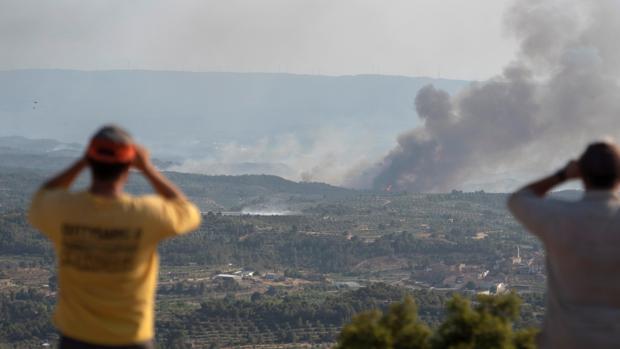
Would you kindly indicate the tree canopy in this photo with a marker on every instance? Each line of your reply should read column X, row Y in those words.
column 487, row 323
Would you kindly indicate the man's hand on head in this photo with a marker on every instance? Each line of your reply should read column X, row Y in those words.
column 142, row 160
column 571, row 170
column 160, row 183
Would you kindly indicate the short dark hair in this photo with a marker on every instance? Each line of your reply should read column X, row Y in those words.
column 107, row 172
column 600, row 165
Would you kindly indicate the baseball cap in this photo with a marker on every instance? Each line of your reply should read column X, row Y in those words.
column 111, row 145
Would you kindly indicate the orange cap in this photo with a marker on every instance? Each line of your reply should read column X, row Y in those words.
column 110, row 152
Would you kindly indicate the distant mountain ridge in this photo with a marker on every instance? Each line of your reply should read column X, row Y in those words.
column 178, row 109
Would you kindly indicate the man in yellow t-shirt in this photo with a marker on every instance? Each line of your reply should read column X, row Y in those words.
column 106, row 243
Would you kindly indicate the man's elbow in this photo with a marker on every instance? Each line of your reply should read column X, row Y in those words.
column 196, row 219
column 517, row 202
column 190, row 220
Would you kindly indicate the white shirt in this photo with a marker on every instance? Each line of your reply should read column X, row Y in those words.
column 582, row 241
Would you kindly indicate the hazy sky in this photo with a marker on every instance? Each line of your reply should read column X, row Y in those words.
column 462, row 39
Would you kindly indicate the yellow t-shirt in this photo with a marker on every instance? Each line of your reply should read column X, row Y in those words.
column 107, row 259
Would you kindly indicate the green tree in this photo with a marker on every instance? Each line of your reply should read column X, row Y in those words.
column 365, row 331
column 486, row 324
column 398, row 328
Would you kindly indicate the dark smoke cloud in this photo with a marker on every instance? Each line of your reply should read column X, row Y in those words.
column 560, row 92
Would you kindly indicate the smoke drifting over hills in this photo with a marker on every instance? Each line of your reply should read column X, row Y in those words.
column 560, row 92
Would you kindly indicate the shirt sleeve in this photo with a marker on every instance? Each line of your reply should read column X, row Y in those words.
column 535, row 213
column 176, row 217
column 42, row 214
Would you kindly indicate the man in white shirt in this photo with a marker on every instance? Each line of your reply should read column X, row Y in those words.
column 582, row 243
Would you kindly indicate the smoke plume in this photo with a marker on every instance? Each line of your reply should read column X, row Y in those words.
column 560, row 92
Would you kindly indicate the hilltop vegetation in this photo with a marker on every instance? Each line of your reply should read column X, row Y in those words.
column 295, row 278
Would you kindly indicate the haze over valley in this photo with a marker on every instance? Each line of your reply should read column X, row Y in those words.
column 301, row 127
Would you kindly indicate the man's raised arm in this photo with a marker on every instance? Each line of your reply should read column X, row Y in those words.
column 64, row 179
column 542, row 186
column 528, row 206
